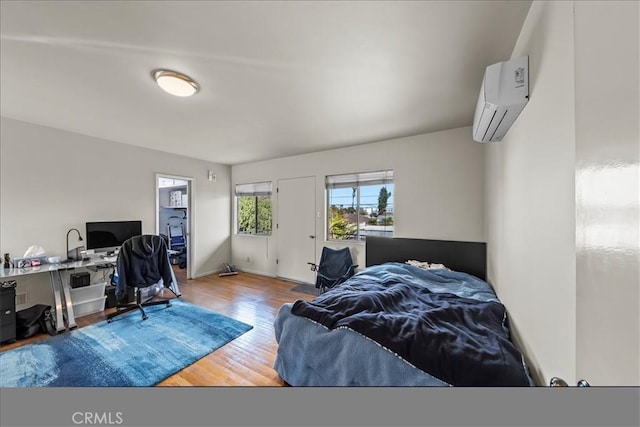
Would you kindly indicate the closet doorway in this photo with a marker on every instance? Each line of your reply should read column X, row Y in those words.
column 174, row 219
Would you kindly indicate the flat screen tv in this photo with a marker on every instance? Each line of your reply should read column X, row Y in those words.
column 107, row 236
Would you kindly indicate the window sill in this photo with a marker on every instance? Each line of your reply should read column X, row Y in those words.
column 345, row 242
column 252, row 235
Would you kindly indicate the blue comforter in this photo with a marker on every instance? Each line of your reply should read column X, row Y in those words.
column 448, row 324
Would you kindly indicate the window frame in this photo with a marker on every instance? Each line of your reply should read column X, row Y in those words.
column 355, row 180
column 254, row 190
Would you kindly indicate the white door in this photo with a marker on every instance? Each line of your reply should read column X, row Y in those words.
column 296, row 228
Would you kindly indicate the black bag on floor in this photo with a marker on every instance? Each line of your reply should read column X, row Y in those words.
column 33, row 320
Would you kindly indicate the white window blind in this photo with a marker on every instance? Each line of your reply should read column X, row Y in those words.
column 254, row 189
column 357, row 179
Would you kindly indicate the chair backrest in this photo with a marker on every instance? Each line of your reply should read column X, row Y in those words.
column 176, row 236
column 143, row 261
column 334, row 262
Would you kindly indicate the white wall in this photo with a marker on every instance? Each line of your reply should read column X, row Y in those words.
column 52, row 180
column 530, row 198
column 438, row 190
column 575, row 316
column 607, row 190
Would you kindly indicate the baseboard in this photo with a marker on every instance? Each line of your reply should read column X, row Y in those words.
column 208, row 273
column 260, row 273
column 534, row 370
column 241, row 270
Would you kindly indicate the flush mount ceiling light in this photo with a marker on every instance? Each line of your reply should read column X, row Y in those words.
column 175, row 83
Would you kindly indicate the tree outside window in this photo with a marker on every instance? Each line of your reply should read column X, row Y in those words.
column 254, row 212
column 360, row 205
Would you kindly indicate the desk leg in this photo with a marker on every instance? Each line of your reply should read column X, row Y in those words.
column 174, row 284
column 71, row 319
column 57, row 298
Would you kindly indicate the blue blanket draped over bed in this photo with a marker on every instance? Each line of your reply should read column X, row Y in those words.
column 448, row 324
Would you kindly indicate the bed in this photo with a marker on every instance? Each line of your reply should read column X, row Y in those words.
column 395, row 324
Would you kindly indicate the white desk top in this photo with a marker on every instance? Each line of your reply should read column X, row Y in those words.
column 45, row 268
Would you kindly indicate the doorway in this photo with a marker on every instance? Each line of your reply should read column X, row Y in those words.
column 174, row 219
column 296, row 228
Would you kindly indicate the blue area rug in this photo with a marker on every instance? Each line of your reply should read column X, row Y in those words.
column 127, row 352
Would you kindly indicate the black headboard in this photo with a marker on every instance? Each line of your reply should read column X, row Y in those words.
column 468, row 257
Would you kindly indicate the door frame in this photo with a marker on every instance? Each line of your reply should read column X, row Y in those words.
column 190, row 215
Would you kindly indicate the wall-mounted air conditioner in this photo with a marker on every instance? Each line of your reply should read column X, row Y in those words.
column 503, row 95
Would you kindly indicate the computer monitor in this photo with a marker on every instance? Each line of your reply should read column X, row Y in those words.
column 107, row 236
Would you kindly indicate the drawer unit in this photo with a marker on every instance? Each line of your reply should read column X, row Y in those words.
column 89, row 307
column 7, row 298
column 8, row 333
column 7, row 313
column 88, row 299
column 86, row 293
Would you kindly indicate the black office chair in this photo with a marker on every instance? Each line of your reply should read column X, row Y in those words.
column 142, row 262
column 335, row 267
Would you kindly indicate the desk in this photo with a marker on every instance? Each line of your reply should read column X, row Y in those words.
column 63, row 305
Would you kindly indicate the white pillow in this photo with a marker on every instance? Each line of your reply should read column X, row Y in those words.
column 419, row 264
column 438, row 267
column 426, row 266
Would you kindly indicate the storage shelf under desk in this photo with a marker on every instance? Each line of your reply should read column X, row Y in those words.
column 87, row 293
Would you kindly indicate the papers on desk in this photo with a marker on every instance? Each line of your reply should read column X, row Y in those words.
column 110, row 258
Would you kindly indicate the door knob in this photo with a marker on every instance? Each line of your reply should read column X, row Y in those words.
column 558, row 382
column 311, row 236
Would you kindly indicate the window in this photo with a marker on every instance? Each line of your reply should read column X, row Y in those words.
column 359, row 205
column 254, row 208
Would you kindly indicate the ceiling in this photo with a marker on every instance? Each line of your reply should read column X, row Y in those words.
column 276, row 78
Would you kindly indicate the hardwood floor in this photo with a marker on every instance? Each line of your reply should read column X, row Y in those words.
column 245, row 361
